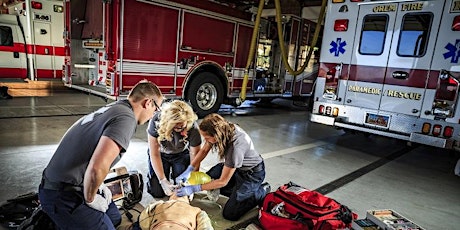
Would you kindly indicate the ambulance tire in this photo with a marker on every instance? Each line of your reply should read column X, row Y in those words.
column 205, row 93
column 310, row 102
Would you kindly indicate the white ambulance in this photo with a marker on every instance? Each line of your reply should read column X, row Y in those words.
column 391, row 68
column 31, row 40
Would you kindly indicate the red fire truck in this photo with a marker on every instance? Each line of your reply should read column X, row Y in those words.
column 196, row 50
column 391, row 68
column 31, row 44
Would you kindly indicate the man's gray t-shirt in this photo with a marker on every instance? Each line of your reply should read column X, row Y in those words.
column 179, row 143
column 76, row 148
column 241, row 152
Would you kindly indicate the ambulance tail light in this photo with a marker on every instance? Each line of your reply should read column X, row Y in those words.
column 436, row 130
column 36, row 5
column 426, row 128
column 456, row 23
column 448, row 131
column 335, row 112
column 331, row 72
column 341, row 25
column 328, row 111
column 321, row 109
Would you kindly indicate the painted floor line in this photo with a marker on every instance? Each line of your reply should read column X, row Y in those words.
column 293, row 149
column 205, row 166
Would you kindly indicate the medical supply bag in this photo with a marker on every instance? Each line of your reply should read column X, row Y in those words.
column 294, row 207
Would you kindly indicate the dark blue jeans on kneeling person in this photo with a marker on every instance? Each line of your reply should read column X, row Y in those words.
column 244, row 190
column 68, row 210
column 174, row 164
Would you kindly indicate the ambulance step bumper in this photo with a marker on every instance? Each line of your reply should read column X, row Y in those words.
column 412, row 137
column 322, row 119
column 373, row 131
column 434, row 141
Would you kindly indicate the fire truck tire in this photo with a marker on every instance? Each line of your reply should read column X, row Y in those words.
column 205, row 93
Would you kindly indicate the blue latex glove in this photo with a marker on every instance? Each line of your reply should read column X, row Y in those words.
column 182, row 178
column 188, row 190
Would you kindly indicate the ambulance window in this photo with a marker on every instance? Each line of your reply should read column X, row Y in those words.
column 6, row 36
column 413, row 38
column 373, row 34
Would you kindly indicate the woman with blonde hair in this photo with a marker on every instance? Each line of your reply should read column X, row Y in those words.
column 242, row 172
column 174, row 140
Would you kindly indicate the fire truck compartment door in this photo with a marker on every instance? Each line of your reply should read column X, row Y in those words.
column 411, row 54
column 370, row 55
column 43, row 51
column 12, row 52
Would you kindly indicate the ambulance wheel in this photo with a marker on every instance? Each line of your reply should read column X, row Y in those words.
column 205, row 94
column 310, row 102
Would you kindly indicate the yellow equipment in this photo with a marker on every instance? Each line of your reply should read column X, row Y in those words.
column 198, row 178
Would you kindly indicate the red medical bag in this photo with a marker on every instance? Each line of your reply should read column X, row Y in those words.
column 294, row 207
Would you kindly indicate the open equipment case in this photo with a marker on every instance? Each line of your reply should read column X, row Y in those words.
column 118, row 182
column 384, row 219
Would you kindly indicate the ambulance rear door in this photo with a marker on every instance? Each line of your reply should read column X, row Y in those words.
column 411, row 55
column 392, row 53
column 370, row 55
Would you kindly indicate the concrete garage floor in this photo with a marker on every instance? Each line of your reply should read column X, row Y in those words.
column 364, row 173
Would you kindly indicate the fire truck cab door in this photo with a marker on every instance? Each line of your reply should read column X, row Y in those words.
column 12, row 52
column 392, row 55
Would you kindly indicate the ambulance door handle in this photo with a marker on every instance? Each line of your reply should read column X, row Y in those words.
column 400, row 75
column 16, row 54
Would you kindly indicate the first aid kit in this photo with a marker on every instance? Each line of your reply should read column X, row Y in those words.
column 294, row 207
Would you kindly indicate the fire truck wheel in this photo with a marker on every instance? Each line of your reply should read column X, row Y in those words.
column 205, row 94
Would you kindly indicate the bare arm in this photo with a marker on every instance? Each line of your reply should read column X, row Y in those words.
column 193, row 152
column 225, row 177
column 201, row 155
column 105, row 153
column 155, row 157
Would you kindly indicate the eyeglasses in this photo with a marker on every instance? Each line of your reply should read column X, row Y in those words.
column 180, row 128
column 157, row 108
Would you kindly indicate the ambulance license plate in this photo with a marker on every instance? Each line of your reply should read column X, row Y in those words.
column 377, row 120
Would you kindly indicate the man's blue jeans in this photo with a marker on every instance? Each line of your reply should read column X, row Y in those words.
column 68, row 210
